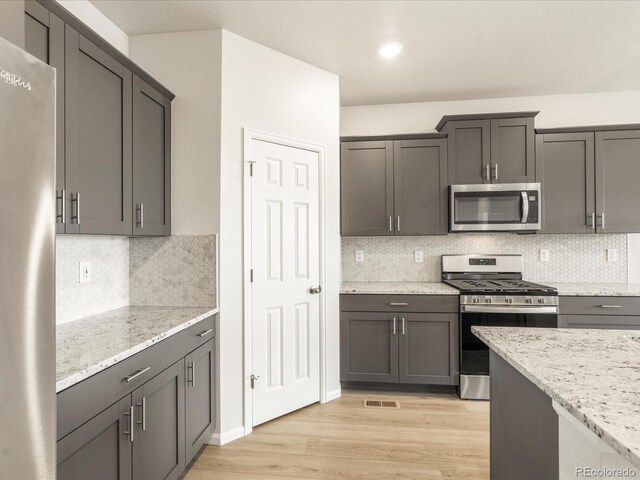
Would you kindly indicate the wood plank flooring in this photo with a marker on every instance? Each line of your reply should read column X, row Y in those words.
column 431, row 436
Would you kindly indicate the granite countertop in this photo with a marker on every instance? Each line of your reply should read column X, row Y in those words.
column 588, row 289
column 398, row 288
column 87, row 346
column 593, row 374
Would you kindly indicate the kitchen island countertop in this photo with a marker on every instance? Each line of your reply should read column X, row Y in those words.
column 89, row 345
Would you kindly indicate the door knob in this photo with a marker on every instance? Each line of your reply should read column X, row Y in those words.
column 315, row 290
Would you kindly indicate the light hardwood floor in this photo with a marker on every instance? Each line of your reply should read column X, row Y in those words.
column 431, row 436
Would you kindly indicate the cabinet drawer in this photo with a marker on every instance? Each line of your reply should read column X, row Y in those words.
column 610, row 322
column 399, row 303
column 86, row 399
column 600, row 305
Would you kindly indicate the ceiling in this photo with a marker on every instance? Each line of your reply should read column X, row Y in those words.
column 452, row 50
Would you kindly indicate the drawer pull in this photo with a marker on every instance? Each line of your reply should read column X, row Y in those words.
column 398, row 304
column 143, row 414
column 205, row 333
column 610, row 306
column 135, row 375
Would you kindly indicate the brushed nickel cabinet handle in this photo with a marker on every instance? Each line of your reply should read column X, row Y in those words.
column 398, row 304
column 398, row 223
column 591, row 220
column 610, row 306
column 402, row 326
column 143, row 414
column 61, row 197
column 131, row 423
column 75, row 198
column 390, row 224
column 205, row 333
column 135, row 375
column 495, row 172
column 192, row 367
column 394, row 325
column 487, row 175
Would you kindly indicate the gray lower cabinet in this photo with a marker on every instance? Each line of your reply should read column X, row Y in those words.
column 401, row 346
column 151, row 160
column 200, row 414
column 98, row 139
column 565, row 165
column 428, row 352
column 99, row 449
column 159, row 439
column 366, row 186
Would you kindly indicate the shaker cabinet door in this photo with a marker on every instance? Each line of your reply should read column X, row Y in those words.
column 100, row 449
column 428, row 348
column 369, row 347
column 98, row 139
column 512, row 150
column 420, row 187
column 367, row 188
column 151, row 160
column 44, row 39
column 469, row 151
column 565, row 167
column 200, row 414
column 617, row 174
column 158, row 449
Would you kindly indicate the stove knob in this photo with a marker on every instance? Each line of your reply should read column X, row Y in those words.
column 528, row 300
column 540, row 299
column 476, row 300
column 487, row 300
column 508, row 300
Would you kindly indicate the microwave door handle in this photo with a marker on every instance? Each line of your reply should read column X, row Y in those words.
column 525, row 207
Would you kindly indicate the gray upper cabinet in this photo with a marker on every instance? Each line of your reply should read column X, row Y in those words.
column 428, row 352
column 369, row 347
column 44, row 39
column 617, row 174
column 367, row 188
column 151, row 160
column 158, row 447
column 200, row 414
column 98, row 139
column 490, row 147
column 565, row 167
column 420, row 187
column 99, row 449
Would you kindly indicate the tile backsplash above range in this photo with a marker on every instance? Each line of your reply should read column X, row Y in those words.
column 571, row 258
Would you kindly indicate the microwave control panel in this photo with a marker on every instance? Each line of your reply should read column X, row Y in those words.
column 534, row 202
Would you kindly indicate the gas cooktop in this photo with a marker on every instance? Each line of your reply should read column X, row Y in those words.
column 499, row 285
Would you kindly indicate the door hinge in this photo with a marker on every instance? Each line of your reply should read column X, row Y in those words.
column 251, row 167
column 251, row 275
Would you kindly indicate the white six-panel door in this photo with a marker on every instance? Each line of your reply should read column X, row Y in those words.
column 285, row 261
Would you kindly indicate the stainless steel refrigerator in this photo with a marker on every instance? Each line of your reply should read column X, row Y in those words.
column 27, row 266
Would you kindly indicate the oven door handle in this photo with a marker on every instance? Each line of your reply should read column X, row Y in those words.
column 525, row 207
column 485, row 309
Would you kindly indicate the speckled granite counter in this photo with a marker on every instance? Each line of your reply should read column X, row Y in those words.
column 593, row 374
column 597, row 289
column 87, row 346
column 397, row 288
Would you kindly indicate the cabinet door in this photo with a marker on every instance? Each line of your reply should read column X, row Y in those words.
column 101, row 448
column 367, row 188
column 369, row 347
column 98, row 139
column 606, row 322
column 420, row 187
column 617, row 174
column 158, row 447
column 512, row 150
column 469, row 151
column 199, row 414
column 44, row 39
column 151, row 161
column 566, row 168
column 428, row 348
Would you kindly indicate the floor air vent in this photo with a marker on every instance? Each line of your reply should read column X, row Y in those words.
column 381, row 404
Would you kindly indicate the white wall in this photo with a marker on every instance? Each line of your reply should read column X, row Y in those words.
column 555, row 111
column 188, row 64
column 97, row 21
column 270, row 92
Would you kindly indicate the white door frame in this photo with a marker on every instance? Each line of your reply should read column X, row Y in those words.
column 249, row 136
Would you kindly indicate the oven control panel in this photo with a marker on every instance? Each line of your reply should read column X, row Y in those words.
column 509, row 300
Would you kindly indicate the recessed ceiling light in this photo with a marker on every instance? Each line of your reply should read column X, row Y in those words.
column 389, row 49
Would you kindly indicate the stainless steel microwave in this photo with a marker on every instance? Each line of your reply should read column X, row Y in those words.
column 495, row 207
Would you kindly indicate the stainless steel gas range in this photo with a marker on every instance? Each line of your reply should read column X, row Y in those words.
column 493, row 293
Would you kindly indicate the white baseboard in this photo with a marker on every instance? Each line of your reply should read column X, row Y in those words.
column 226, row 437
column 333, row 394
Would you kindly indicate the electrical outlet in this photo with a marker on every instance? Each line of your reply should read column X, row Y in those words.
column 544, row 254
column 85, row 272
column 418, row 256
column 612, row 255
column 359, row 255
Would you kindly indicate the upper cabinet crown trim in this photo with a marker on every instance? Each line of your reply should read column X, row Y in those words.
column 592, row 128
column 93, row 37
column 483, row 116
column 403, row 136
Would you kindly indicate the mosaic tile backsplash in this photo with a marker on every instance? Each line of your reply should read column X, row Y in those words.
column 109, row 286
column 177, row 271
column 572, row 258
